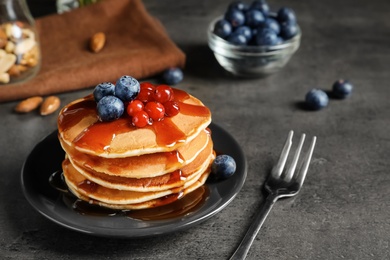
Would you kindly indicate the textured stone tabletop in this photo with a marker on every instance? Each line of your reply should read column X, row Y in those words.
column 343, row 210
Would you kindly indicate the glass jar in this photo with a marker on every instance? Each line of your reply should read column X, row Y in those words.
column 69, row 5
column 20, row 55
column 66, row 5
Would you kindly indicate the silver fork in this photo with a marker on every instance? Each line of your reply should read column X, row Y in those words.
column 278, row 185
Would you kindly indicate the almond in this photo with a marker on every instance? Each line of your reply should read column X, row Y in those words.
column 4, row 77
column 2, row 53
column 9, row 47
column 3, row 35
column 97, row 42
column 24, row 46
column 6, row 62
column 49, row 105
column 32, row 62
column 28, row 105
column 3, row 43
column 14, row 71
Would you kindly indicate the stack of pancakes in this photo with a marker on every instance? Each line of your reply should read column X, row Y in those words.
column 116, row 165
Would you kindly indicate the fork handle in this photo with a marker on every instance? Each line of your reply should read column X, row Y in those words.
column 254, row 228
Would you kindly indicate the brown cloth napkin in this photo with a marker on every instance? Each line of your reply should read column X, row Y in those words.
column 136, row 45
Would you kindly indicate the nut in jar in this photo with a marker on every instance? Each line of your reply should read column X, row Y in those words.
column 19, row 52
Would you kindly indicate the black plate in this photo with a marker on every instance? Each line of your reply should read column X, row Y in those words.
column 47, row 157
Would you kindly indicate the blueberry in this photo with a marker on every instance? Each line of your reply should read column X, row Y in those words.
column 254, row 18
column 272, row 24
column 342, row 88
column 223, row 166
column 127, row 88
column 288, row 30
column 235, row 17
column 110, row 108
column 260, row 5
column 286, row 15
column 102, row 90
column 173, row 76
column 237, row 39
column 279, row 40
column 266, row 37
column 238, row 5
column 244, row 30
column 316, row 99
column 252, row 41
column 222, row 28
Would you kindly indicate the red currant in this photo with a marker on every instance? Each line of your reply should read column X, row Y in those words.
column 146, row 92
column 155, row 110
column 171, row 108
column 134, row 107
column 163, row 93
column 140, row 119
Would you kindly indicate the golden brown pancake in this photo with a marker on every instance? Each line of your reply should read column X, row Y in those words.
column 79, row 127
column 169, row 180
column 89, row 190
column 147, row 204
column 117, row 165
column 148, row 165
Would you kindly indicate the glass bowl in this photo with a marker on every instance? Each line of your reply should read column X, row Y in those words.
column 249, row 60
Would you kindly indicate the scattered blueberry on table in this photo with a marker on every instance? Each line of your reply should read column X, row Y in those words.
column 223, row 167
column 316, row 99
column 172, row 76
column 342, row 88
column 258, row 18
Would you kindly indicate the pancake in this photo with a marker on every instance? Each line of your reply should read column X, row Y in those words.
column 147, row 204
column 148, row 165
column 167, row 181
column 120, row 166
column 88, row 190
column 79, row 127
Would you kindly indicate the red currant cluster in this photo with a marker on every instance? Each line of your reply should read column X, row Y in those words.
column 152, row 104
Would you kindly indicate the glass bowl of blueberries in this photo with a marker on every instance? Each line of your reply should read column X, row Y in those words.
column 251, row 41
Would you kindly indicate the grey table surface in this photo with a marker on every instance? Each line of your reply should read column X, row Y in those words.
column 343, row 210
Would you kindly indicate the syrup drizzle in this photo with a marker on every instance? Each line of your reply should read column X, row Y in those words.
column 169, row 178
column 173, row 159
column 167, row 207
column 99, row 135
column 73, row 114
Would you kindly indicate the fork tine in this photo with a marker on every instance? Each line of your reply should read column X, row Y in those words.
column 305, row 163
column 278, row 168
column 290, row 171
